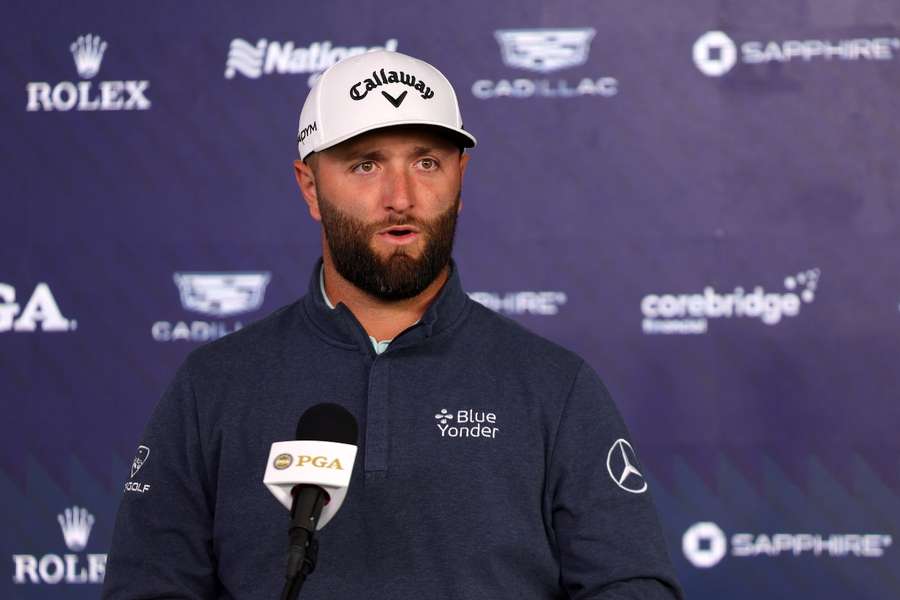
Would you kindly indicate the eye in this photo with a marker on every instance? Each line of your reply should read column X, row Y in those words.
column 366, row 166
column 428, row 164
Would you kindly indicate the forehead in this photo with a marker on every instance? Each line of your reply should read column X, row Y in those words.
column 398, row 139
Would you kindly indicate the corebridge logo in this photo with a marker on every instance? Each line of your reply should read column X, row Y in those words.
column 705, row 545
column 715, row 53
column 254, row 60
column 690, row 313
column 72, row 567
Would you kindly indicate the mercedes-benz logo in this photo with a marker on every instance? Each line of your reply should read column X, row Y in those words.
column 620, row 464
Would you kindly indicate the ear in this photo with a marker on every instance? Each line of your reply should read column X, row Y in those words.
column 463, row 161
column 306, row 180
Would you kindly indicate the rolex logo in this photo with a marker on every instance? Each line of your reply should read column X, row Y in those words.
column 88, row 51
column 52, row 568
column 76, row 524
column 63, row 96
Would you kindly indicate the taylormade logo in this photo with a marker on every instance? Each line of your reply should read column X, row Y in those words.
column 288, row 58
column 674, row 313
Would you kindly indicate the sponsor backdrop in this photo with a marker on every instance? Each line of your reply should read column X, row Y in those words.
column 702, row 201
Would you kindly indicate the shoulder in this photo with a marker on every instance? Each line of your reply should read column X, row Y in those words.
column 513, row 343
column 253, row 345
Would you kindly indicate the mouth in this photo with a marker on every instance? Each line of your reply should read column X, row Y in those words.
column 399, row 234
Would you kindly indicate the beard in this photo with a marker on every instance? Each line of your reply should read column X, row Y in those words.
column 399, row 275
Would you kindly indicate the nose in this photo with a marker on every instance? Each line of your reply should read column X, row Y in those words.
column 399, row 191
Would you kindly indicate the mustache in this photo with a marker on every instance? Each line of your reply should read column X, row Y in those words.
column 403, row 220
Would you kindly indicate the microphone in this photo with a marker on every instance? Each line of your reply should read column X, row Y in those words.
column 310, row 477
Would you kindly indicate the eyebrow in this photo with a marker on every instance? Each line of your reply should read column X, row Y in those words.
column 353, row 154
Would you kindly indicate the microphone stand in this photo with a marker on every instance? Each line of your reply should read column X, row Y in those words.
column 303, row 550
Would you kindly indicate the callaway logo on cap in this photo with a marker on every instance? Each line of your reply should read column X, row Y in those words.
column 377, row 89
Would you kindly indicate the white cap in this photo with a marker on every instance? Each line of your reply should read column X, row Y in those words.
column 373, row 90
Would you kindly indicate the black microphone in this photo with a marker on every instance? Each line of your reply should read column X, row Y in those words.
column 322, row 458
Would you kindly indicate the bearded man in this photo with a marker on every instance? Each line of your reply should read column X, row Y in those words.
column 547, row 501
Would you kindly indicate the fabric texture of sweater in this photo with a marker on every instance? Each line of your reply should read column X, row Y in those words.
column 492, row 464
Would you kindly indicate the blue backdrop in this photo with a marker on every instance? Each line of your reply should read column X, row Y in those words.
column 701, row 200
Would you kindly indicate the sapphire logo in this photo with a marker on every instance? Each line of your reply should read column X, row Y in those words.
column 286, row 58
column 620, row 461
column 545, row 51
column 705, row 545
column 217, row 295
column 545, row 303
column 87, row 51
column 716, row 54
column 76, row 524
column 40, row 312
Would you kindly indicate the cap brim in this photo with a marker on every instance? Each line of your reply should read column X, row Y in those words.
column 460, row 136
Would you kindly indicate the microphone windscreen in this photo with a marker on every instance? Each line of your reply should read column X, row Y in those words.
column 327, row 422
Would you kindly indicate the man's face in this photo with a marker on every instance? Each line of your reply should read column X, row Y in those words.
column 388, row 202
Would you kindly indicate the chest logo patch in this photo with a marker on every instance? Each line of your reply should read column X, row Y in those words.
column 467, row 423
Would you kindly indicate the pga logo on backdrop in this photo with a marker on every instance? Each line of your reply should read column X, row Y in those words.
column 76, row 524
column 545, row 51
column 87, row 52
column 220, row 295
column 40, row 312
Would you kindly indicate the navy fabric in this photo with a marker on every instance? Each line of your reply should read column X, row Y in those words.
column 527, row 508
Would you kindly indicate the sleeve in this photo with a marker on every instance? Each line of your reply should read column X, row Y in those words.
column 162, row 541
column 607, row 531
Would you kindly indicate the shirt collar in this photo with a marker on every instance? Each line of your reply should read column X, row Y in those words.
column 378, row 346
column 339, row 325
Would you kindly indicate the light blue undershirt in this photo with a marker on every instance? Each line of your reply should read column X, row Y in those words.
column 379, row 346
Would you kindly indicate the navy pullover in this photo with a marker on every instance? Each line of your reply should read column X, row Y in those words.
column 487, row 468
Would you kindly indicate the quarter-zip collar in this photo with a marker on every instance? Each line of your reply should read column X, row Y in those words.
column 340, row 326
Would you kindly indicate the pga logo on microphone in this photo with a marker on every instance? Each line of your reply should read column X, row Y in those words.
column 285, row 460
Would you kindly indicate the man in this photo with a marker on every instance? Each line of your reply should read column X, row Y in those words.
column 492, row 463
